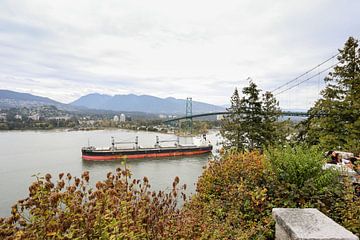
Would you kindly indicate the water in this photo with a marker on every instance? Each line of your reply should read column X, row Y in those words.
column 24, row 153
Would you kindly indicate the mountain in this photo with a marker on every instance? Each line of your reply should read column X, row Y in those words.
column 98, row 102
column 11, row 99
column 142, row 103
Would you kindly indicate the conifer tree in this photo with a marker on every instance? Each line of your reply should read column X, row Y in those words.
column 334, row 120
column 271, row 113
column 230, row 125
column 251, row 122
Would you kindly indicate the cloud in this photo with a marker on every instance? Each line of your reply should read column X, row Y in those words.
column 204, row 49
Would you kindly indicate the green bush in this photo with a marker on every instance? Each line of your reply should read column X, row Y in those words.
column 236, row 195
column 302, row 166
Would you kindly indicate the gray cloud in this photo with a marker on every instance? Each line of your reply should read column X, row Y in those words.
column 202, row 49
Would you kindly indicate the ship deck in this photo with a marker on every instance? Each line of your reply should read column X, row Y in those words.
column 180, row 147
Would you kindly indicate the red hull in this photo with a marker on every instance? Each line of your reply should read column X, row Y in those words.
column 152, row 155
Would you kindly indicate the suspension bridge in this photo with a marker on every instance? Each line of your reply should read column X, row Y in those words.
column 189, row 116
column 285, row 113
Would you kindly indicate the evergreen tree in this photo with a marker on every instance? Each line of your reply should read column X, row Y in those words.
column 230, row 125
column 271, row 126
column 252, row 120
column 334, row 120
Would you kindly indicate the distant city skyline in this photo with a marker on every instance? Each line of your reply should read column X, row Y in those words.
column 200, row 49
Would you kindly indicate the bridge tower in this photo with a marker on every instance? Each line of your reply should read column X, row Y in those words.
column 189, row 113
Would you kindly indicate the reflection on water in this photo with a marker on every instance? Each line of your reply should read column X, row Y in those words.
column 89, row 165
column 29, row 152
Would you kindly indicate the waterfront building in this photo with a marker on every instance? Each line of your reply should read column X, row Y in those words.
column 219, row 117
column 122, row 117
column 116, row 118
column 34, row 117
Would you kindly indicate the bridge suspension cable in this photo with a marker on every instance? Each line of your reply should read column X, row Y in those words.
column 308, row 71
column 307, row 79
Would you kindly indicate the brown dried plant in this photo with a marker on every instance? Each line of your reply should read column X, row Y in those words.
column 117, row 208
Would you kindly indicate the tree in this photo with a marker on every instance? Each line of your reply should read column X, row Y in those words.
column 252, row 120
column 334, row 120
column 230, row 125
column 271, row 114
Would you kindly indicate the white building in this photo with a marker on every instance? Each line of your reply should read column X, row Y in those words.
column 18, row 117
column 122, row 117
column 35, row 117
column 219, row 117
column 60, row 118
column 116, row 118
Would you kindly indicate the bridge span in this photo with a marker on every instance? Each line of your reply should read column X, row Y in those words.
column 285, row 113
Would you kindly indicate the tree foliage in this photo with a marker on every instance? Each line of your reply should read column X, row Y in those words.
column 251, row 122
column 118, row 208
column 235, row 196
column 334, row 120
column 231, row 124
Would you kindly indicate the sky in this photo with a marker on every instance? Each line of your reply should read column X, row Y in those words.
column 201, row 49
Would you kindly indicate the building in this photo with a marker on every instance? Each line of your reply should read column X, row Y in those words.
column 18, row 117
column 65, row 118
column 219, row 117
column 116, row 118
column 34, row 117
column 122, row 117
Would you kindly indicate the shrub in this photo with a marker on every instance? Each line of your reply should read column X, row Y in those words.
column 118, row 208
column 235, row 196
column 231, row 200
column 301, row 165
column 234, row 200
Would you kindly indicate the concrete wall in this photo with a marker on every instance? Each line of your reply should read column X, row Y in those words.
column 307, row 224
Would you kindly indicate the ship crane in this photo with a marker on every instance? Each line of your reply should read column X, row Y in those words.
column 136, row 142
column 157, row 144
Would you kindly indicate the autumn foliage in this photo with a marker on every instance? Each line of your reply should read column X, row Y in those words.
column 117, row 208
column 235, row 196
column 234, row 200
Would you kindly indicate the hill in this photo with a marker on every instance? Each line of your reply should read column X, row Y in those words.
column 12, row 99
column 142, row 103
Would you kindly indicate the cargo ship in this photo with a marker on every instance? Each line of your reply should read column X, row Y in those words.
column 115, row 151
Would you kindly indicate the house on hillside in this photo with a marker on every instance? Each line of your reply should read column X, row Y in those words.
column 34, row 117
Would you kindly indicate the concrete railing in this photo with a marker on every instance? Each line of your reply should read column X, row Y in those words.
column 307, row 224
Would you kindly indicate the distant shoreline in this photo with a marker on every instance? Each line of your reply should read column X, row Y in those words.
column 76, row 130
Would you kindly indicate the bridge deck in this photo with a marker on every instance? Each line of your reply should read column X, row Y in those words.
column 300, row 114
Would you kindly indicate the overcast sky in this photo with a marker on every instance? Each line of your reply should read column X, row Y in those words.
column 200, row 48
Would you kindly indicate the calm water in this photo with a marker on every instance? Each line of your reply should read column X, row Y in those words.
column 29, row 152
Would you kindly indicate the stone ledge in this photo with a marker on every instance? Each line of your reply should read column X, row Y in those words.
column 308, row 224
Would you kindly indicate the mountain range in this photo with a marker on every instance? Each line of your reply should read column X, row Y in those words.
column 11, row 99
column 126, row 103
column 142, row 103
